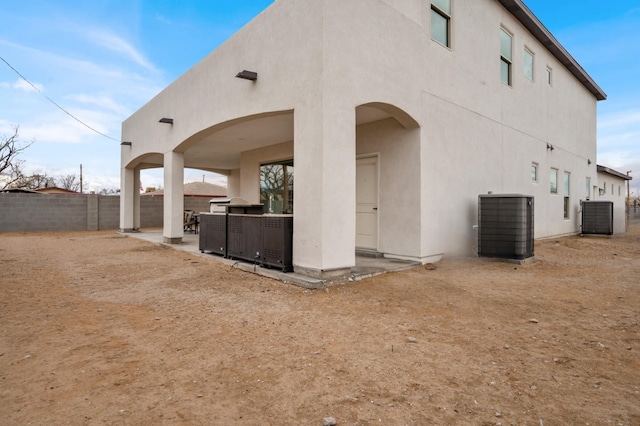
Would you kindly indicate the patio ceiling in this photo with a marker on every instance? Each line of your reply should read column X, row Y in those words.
column 220, row 150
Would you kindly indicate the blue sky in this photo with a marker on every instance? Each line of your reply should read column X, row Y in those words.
column 103, row 59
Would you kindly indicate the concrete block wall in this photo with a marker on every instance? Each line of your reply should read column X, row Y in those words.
column 108, row 212
column 79, row 212
column 197, row 204
column 43, row 212
column 151, row 211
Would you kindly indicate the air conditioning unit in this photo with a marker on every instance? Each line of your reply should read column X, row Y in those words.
column 597, row 217
column 213, row 233
column 505, row 226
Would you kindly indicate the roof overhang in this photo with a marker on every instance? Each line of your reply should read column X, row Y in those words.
column 612, row 172
column 518, row 9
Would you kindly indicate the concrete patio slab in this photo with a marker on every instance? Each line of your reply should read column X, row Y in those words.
column 365, row 267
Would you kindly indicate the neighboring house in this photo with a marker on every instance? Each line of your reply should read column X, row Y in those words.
column 197, row 189
column 55, row 190
column 392, row 115
column 612, row 186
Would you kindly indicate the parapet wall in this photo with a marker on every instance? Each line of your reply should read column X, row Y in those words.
column 80, row 212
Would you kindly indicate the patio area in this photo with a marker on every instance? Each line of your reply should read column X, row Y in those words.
column 366, row 265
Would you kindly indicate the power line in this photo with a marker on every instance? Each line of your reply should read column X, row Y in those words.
column 53, row 102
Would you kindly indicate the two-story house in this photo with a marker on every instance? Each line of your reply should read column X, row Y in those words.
column 391, row 116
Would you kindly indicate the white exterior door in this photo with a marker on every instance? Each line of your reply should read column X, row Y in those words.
column 367, row 203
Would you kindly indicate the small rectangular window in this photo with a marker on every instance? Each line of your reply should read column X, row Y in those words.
column 604, row 186
column 441, row 22
column 587, row 187
column 567, row 189
column 549, row 77
column 506, row 43
column 553, row 181
column 534, row 172
column 528, row 64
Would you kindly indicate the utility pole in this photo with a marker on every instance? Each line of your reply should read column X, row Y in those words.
column 81, row 178
column 628, row 192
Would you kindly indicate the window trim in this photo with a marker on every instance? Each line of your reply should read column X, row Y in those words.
column 549, row 76
column 536, row 178
column 505, row 60
column 533, row 64
column 447, row 17
column 552, row 190
column 588, row 187
column 566, row 187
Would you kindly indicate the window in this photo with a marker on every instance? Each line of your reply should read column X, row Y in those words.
column 549, row 76
column 619, row 191
column 553, row 181
column 276, row 187
column 534, row 172
column 505, row 57
column 567, row 179
column 587, row 187
column 506, row 43
column 604, row 185
column 441, row 22
column 528, row 64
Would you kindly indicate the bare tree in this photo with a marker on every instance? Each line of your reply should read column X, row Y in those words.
column 70, row 182
column 10, row 164
column 276, row 183
column 34, row 181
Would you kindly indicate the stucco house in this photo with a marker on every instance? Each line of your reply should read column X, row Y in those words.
column 392, row 115
column 612, row 186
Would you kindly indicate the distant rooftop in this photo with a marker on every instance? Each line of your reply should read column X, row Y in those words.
column 200, row 189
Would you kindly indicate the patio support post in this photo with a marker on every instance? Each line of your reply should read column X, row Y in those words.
column 173, row 197
column 129, row 199
column 324, row 187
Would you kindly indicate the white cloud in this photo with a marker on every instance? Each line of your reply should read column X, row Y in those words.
column 57, row 127
column 113, row 42
column 624, row 118
column 163, row 19
column 101, row 101
column 21, row 84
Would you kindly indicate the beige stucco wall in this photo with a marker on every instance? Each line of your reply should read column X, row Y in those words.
column 322, row 59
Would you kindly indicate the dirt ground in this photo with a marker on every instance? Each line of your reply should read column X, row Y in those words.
column 99, row 328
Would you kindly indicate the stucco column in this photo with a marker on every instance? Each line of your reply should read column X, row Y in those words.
column 173, row 197
column 129, row 199
column 136, row 198
column 324, row 188
column 233, row 183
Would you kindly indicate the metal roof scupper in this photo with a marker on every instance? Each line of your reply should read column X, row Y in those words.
column 518, row 9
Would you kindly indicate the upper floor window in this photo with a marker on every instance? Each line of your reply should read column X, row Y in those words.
column 441, row 22
column 528, row 64
column 549, row 76
column 534, row 172
column 506, row 56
